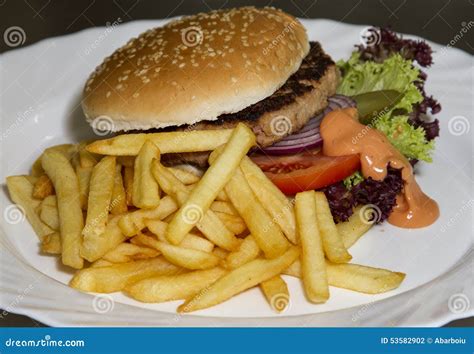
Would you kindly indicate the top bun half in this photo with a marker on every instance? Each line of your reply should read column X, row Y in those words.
column 196, row 69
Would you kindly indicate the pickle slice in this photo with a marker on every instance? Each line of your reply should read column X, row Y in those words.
column 373, row 104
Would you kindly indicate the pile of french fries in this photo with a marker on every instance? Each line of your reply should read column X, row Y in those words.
column 126, row 222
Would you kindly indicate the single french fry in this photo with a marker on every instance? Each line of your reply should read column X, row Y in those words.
column 109, row 279
column 128, row 252
column 276, row 292
column 71, row 222
column 240, row 279
column 191, row 240
column 173, row 287
column 146, row 193
column 272, row 199
column 233, row 222
column 186, row 177
column 352, row 229
column 248, row 251
column 83, row 176
column 133, row 222
column 43, row 187
column 51, row 243
column 100, row 195
column 221, row 253
column 20, row 189
column 49, row 212
column 355, row 277
column 118, row 203
column 267, row 233
column 128, row 176
column 184, row 257
column 167, row 142
column 210, row 225
column 315, row 279
column 215, row 178
column 332, row 242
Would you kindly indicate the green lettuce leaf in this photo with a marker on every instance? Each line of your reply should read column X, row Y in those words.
column 395, row 73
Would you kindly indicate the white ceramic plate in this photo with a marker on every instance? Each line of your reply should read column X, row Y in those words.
column 40, row 94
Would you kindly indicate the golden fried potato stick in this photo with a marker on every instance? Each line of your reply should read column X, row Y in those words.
column 173, row 287
column 313, row 265
column 129, row 252
column 240, row 279
column 211, row 183
column 334, row 248
column 352, row 229
column 184, row 257
column 20, row 189
column 71, row 221
column 43, row 187
column 360, row 278
column 109, row 279
column 272, row 199
column 167, row 142
column 100, row 194
column 48, row 212
column 146, row 192
column 118, row 203
column 248, row 251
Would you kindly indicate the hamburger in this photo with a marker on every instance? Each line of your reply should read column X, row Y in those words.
column 212, row 71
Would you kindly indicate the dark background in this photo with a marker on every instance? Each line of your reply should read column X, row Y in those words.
column 437, row 20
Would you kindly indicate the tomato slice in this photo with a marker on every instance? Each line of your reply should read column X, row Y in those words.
column 306, row 171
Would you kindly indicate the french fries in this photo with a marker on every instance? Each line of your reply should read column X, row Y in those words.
column 276, row 292
column 173, row 287
column 21, row 192
column 172, row 142
column 43, row 187
column 133, row 222
column 267, row 233
column 333, row 245
column 108, row 279
column 100, row 195
column 193, row 241
column 83, row 176
column 355, row 277
column 215, row 178
column 248, row 251
column 71, row 222
column 169, row 233
column 240, row 279
column 118, row 203
column 146, row 193
column 93, row 249
column 184, row 257
column 210, row 225
column 272, row 199
column 352, row 229
column 312, row 256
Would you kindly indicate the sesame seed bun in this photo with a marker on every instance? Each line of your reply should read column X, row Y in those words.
column 196, row 69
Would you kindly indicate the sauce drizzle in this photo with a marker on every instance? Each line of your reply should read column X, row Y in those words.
column 343, row 135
